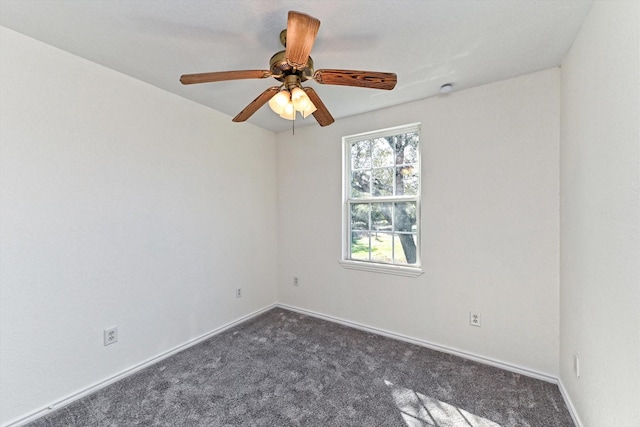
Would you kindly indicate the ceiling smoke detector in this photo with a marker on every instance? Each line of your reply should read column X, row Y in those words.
column 446, row 88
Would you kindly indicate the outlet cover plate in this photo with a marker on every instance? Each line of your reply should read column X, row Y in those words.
column 111, row 336
column 475, row 318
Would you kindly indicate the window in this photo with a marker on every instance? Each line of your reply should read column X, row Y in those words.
column 382, row 200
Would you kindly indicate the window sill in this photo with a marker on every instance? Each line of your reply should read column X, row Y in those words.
column 396, row 270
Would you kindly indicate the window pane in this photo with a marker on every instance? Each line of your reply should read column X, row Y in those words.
column 361, row 155
column 381, row 237
column 382, row 182
column 360, row 226
column 382, row 154
column 381, row 216
column 360, row 184
column 402, row 243
column 360, row 245
column 360, row 216
column 407, row 181
column 405, row 216
column 381, row 247
column 407, row 148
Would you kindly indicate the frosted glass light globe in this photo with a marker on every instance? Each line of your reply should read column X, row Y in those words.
column 288, row 112
column 300, row 99
column 279, row 101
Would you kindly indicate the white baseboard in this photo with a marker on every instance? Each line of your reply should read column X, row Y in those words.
column 567, row 400
column 439, row 347
column 129, row 371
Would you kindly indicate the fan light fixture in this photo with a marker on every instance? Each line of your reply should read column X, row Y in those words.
column 286, row 104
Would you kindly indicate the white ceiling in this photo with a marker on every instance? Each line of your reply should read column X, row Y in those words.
column 426, row 42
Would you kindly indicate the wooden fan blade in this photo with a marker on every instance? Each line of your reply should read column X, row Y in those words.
column 368, row 79
column 322, row 115
column 188, row 79
column 301, row 33
column 255, row 105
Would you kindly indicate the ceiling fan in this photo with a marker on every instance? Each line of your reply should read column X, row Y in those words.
column 293, row 66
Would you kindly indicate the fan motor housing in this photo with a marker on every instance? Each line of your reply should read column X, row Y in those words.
column 280, row 68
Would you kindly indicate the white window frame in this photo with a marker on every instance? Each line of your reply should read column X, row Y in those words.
column 413, row 270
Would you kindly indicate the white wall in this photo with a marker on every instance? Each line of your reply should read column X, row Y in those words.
column 489, row 224
column 600, row 216
column 121, row 205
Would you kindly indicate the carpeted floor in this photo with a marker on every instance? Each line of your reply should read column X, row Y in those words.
column 286, row 369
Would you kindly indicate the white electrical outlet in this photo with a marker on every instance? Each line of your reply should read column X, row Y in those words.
column 111, row 335
column 238, row 292
column 474, row 318
column 295, row 281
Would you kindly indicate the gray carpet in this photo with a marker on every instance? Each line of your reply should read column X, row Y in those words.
column 286, row 369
